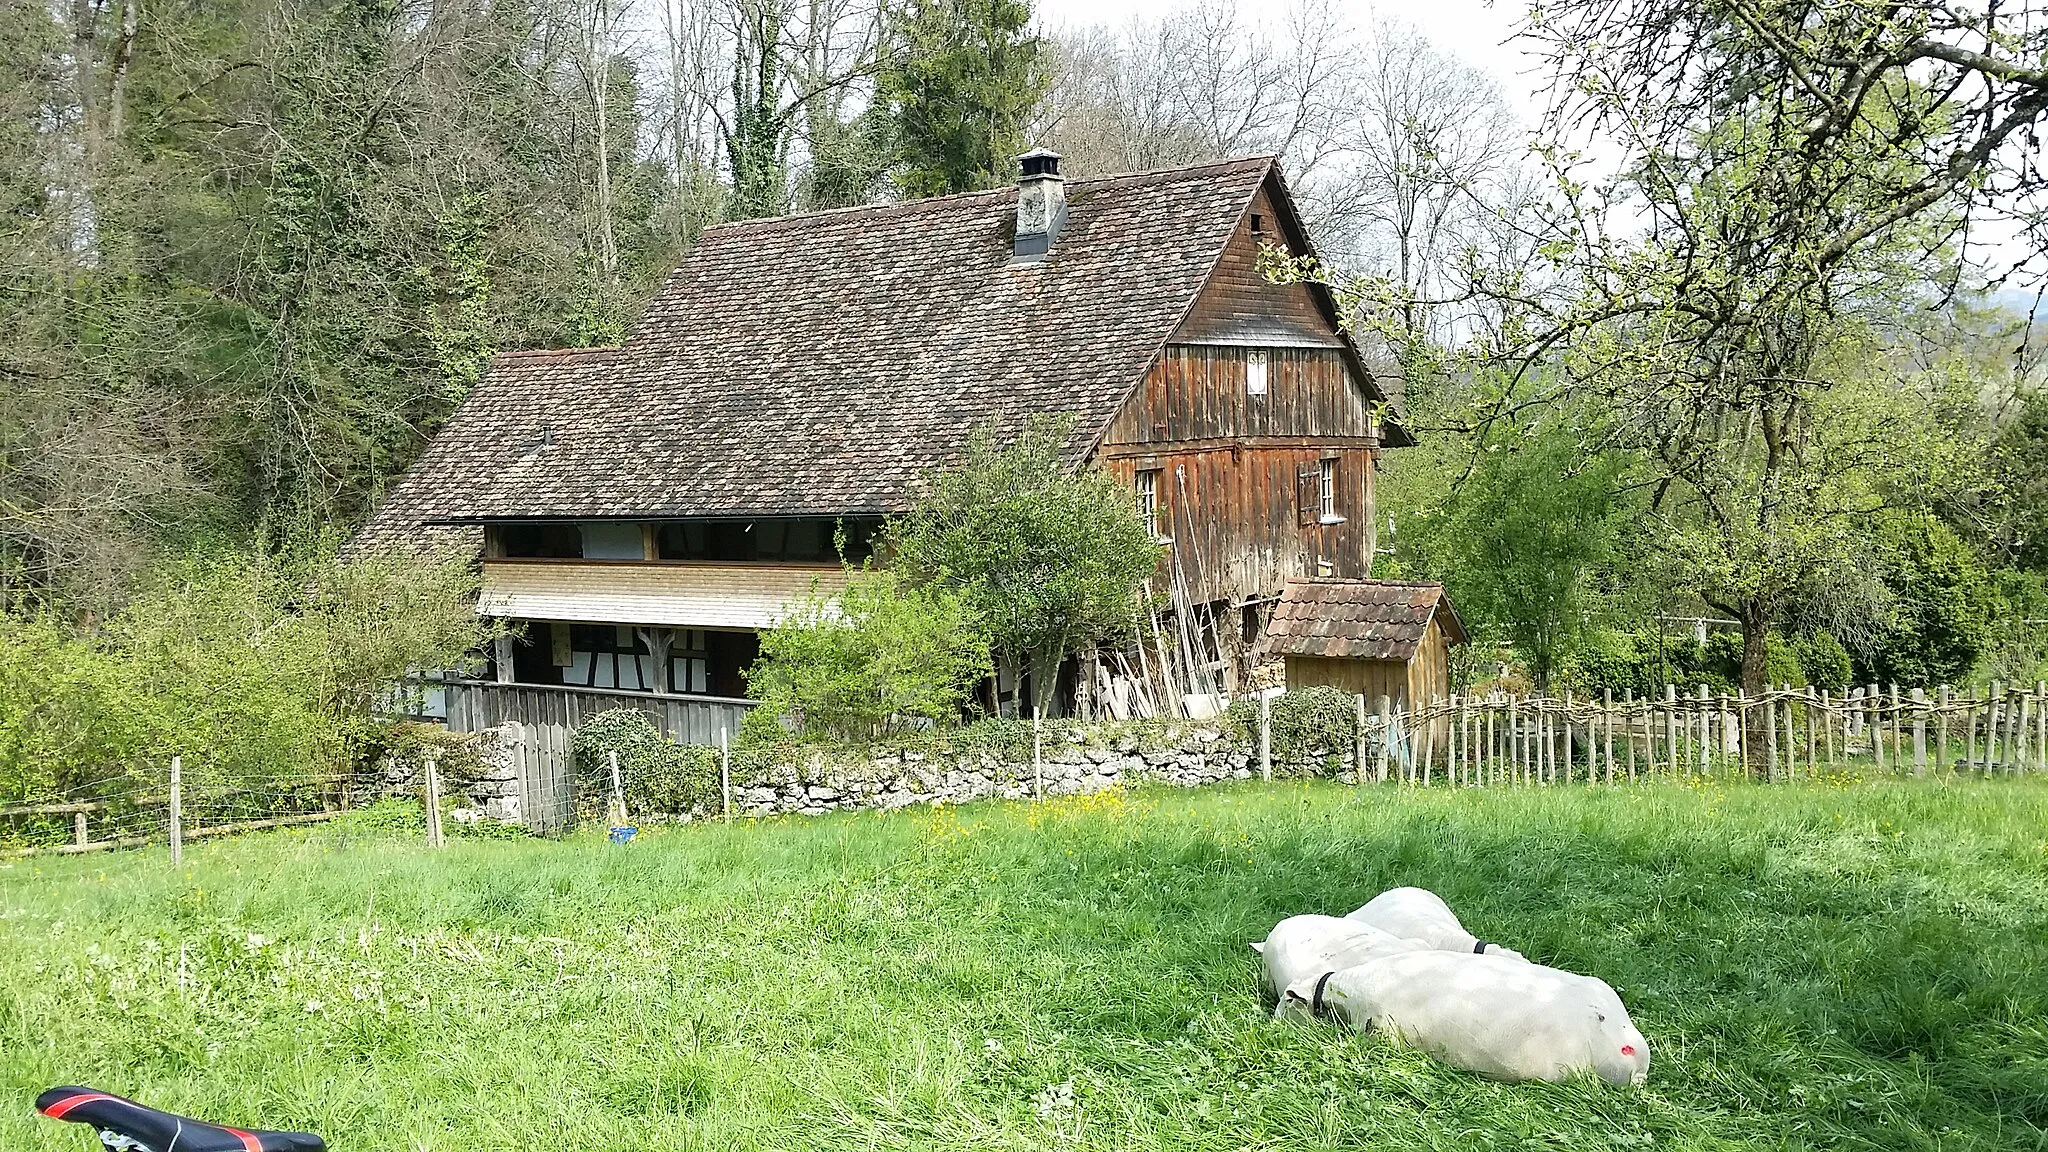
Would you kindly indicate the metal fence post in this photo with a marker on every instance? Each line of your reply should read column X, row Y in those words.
column 1265, row 737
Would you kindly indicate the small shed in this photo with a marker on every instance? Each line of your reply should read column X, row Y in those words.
column 1377, row 637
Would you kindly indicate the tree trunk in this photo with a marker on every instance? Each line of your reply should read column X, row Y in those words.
column 1756, row 630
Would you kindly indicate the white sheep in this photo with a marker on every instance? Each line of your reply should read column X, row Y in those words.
column 1506, row 1019
column 1419, row 914
column 1304, row 946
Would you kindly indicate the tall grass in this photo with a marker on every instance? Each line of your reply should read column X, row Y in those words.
column 1860, row 966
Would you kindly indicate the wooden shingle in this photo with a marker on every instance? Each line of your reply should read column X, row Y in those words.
column 1358, row 619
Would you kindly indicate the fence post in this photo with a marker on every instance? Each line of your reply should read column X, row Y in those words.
column 433, row 803
column 1920, row 732
column 1806, row 699
column 1038, row 747
column 1969, row 743
column 725, row 773
column 1514, row 740
column 2041, row 722
column 618, row 789
column 78, row 829
column 1873, row 722
column 1791, row 739
column 1941, row 761
column 1265, row 738
column 177, row 810
column 1706, row 749
column 1607, row 732
column 1386, row 711
column 1898, row 730
column 1426, row 732
column 1357, row 738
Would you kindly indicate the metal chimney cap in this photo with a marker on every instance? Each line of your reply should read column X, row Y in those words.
column 1040, row 162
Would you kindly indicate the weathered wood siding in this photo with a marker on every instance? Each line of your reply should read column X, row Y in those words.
column 1197, row 392
column 1233, row 515
column 724, row 596
column 1233, row 464
column 1371, row 678
column 1417, row 681
column 1239, row 306
column 476, row 705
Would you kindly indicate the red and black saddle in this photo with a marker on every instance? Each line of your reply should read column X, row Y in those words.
column 162, row 1131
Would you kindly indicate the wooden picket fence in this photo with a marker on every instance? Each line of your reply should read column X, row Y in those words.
column 1786, row 733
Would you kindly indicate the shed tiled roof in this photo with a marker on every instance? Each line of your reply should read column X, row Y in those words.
column 820, row 364
column 1358, row 619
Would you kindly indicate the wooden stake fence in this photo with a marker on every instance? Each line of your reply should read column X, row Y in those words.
column 1786, row 733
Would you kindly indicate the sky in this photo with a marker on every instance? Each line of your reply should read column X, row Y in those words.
column 1474, row 31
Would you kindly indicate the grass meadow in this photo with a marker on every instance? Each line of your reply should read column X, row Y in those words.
column 1842, row 966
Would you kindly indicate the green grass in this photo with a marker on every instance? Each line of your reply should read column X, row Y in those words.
column 1860, row 966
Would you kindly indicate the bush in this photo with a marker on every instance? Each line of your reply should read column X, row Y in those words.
column 260, row 672
column 657, row 774
column 1304, row 721
column 880, row 656
column 1825, row 662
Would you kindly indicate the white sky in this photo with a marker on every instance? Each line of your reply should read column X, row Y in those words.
column 1475, row 31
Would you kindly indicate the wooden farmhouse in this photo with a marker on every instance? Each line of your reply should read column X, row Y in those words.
column 645, row 510
column 1375, row 638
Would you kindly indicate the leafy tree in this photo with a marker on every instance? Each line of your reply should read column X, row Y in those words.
column 1942, row 602
column 882, row 654
column 1523, row 539
column 1049, row 558
column 960, row 87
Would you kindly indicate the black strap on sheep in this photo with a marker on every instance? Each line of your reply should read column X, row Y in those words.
column 1479, row 949
column 1315, row 1002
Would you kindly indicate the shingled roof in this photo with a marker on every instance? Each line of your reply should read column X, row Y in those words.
column 1358, row 619
column 819, row 364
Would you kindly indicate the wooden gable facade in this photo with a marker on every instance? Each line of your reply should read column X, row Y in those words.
column 1256, row 424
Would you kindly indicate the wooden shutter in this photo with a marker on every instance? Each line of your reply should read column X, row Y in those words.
column 1308, row 494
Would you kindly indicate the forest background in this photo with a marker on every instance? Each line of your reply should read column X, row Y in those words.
column 252, row 254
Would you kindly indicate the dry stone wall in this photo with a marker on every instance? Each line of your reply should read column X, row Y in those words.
column 824, row 782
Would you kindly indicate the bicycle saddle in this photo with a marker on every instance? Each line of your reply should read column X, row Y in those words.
column 132, row 1125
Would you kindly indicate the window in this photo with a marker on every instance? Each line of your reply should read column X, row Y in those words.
column 1255, row 372
column 608, row 656
column 538, row 541
column 689, row 662
column 1148, row 500
column 1326, row 503
column 612, row 542
column 1258, row 224
column 793, row 541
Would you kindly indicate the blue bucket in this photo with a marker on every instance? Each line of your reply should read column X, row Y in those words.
column 621, row 835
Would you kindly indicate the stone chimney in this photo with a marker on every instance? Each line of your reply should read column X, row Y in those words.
column 1041, row 203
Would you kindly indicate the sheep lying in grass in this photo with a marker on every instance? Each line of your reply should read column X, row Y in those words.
column 1419, row 914
column 1304, row 947
column 1506, row 1019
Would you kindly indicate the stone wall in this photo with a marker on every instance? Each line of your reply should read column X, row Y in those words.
column 1080, row 762
column 477, row 773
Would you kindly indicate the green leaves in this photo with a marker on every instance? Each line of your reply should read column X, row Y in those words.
column 1049, row 558
column 883, row 654
column 959, row 89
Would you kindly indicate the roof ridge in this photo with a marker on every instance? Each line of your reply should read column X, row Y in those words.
column 937, row 203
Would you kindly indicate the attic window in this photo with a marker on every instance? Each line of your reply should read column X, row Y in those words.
column 1255, row 372
column 1148, row 500
column 1258, row 224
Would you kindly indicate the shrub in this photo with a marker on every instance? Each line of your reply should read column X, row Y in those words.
column 657, row 774
column 1825, row 662
column 881, row 656
column 258, row 671
column 1049, row 559
column 1304, row 720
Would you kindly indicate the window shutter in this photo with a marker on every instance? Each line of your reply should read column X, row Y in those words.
column 1308, row 494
